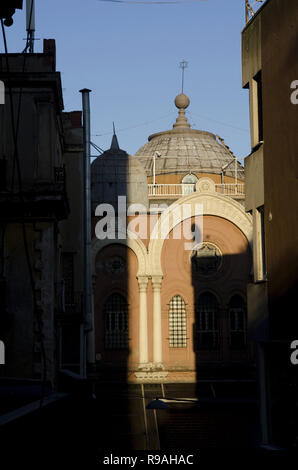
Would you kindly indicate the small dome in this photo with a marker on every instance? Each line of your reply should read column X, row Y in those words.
column 115, row 173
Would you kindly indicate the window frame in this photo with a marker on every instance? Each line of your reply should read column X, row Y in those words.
column 215, row 330
column 116, row 338
column 177, row 317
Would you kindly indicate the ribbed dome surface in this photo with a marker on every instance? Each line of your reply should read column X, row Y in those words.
column 182, row 149
column 181, row 152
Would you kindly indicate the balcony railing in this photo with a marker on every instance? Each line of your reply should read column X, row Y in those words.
column 176, row 190
column 231, row 189
column 170, row 189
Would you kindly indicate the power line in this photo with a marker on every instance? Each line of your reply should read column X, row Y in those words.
column 218, row 122
column 135, row 125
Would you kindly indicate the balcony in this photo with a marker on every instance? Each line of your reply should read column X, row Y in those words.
column 173, row 191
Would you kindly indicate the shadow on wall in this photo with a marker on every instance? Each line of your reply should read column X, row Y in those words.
column 116, row 302
column 282, row 375
column 111, row 306
column 225, row 415
column 224, row 357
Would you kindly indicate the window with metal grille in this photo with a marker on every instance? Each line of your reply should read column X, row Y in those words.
column 207, row 322
column 237, row 317
column 116, row 322
column 177, row 323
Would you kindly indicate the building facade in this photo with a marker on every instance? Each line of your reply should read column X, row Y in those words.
column 41, row 198
column 170, row 299
column 271, row 199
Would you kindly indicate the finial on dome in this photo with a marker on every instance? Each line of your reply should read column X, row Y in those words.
column 182, row 102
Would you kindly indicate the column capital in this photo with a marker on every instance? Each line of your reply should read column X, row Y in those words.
column 143, row 283
column 156, row 282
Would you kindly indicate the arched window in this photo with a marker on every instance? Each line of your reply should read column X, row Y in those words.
column 207, row 322
column 189, row 183
column 116, row 322
column 237, row 320
column 177, row 323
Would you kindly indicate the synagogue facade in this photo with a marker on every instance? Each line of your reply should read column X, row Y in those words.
column 169, row 290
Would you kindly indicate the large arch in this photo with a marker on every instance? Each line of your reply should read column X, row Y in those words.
column 132, row 242
column 213, row 204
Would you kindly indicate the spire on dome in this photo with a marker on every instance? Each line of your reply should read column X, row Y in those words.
column 114, row 144
column 182, row 102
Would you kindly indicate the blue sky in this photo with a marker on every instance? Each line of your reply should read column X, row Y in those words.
column 129, row 55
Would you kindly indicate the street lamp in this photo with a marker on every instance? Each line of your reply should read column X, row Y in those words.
column 158, row 155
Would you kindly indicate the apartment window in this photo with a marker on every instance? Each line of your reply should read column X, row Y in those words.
column 177, row 323
column 116, row 322
column 207, row 322
column 237, row 320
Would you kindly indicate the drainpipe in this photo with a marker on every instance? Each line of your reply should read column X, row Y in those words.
column 87, row 327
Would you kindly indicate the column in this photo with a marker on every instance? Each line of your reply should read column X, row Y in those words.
column 157, row 330
column 143, row 322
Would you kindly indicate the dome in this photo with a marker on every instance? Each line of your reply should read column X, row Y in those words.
column 115, row 173
column 182, row 149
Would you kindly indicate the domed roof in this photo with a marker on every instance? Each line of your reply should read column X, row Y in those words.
column 115, row 173
column 183, row 149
